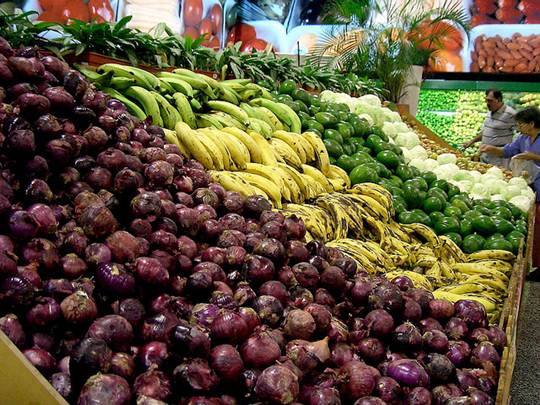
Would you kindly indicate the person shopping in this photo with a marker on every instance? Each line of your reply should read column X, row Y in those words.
column 525, row 154
column 498, row 128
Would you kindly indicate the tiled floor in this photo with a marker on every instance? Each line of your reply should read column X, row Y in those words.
column 526, row 381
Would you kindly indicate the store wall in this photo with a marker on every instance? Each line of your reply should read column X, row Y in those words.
column 505, row 34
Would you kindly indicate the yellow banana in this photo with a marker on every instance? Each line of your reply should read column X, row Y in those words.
column 193, row 145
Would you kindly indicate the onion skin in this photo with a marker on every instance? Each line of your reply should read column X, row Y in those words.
column 277, row 384
column 105, row 389
column 227, row 363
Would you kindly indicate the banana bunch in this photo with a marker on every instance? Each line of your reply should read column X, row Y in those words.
column 419, row 280
column 368, row 255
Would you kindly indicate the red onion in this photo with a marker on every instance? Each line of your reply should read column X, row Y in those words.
column 45, row 312
column 371, row 350
column 360, row 380
column 78, row 308
column 194, row 340
column 403, row 283
column 275, row 289
column 369, row 401
column 441, row 309
column 97, row 221
column 113, row 329
column 105, row 389
column 275, row 230
column 204, row 314
column 471, row 312
column 306, row 275
column 429, row 324
column 295, row 228
column 412, row 311
column 153, row 354
column 123, row 364
column 151, row 271
column 23, row 225
column 380, row 322
column 361, row 290
column 16, row 291
column 43, row 252
column 321, row 315
column 436, row 341
column 113, row 278
column 408, row 372
column 229, row 327
column 456, row 329
column 196, row 376
column 333, row 278
column 10, row 325
column 124, row 246
column 439, row 367
column 418, row 396
column 41, row 359
column 269, row 309
column 389, row 390
column 342, row 354
column 271, row 249
column 44, row 216
column 260, row 350
column 61, row 382
column 6, row 244
column 299, row 324
column 90, row 356
column 226, row 362
column 443, row 394
column 158, row 327
column 132, row 310
column 421, row 296
column 258, row 269
column 98, row 253
column 497, row 337
column 153, row 384
column 483, row 352
column 233, row 202
column 187, row 247
column 458, row 352
column 8, row 264
column 407, row 336
column 277, row 384
column 386, row 296
column 73, row 266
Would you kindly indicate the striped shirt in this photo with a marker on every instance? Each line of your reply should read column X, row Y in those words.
column 498, row 129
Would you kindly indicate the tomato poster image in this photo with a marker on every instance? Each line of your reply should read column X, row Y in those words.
column 504, row 36
column 63, row 11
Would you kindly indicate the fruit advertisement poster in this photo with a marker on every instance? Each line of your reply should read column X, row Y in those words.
column 504, row 35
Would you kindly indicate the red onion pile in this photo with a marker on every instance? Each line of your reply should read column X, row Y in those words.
column 125, row 276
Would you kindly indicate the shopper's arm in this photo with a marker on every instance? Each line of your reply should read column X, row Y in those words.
column 493, row 150
column 527, row 156
column 477, row 138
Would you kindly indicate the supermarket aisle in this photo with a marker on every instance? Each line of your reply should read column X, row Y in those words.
column 526, row 380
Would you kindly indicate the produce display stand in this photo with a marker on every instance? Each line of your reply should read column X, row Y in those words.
column 510, row 314
column 20, row 382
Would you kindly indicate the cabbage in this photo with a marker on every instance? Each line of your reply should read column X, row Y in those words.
column 495, row 172
column 406, row 154
column 518, row 181
column 419, row 152
column 419, row 164
column 476, row 175
column 407, row 139
column 446, row 171
column 389, row 129
column 480, row 189
column 496, row 197
column 511, row 191
column 401, row 127
column 528, row 192
column 494, row 185
column 390, row 115
column 463, row 185
column 370, row 99
column 446, row 158
column 431, row 164
column 462, row 175
column 522, row 202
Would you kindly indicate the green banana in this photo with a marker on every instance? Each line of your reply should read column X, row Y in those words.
column 208, row 121
column 261, row 127
column 132, row 107
column 122, row 83
column 165, row 87
column 213, row 83
column 229, row 108
column 148, row 103
column 170, row 115
column 228, row 94
column 143, row 78
column 195, row 104
column 236, row 82
column 184, row 107
column 282, row 111
column 271, row 118
column 194, row 82
column 179, row 85
column 228, row 120
column 100, row 79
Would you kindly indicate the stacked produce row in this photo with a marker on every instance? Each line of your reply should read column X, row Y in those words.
column 127, row 276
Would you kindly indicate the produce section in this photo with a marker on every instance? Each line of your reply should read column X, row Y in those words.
column 171, row 238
